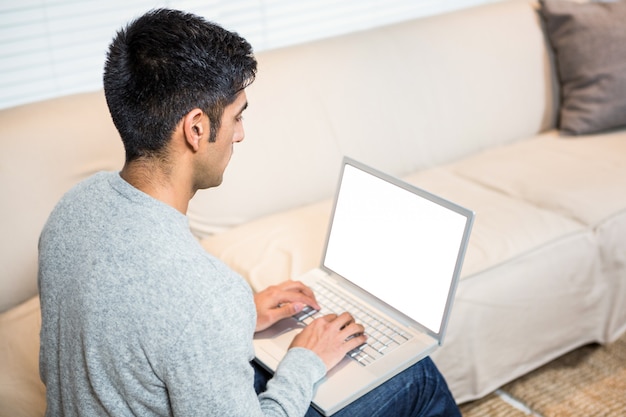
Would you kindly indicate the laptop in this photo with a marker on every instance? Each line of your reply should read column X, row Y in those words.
column 392, row 250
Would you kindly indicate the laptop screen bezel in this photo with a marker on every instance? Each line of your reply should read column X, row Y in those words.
column 463, row 211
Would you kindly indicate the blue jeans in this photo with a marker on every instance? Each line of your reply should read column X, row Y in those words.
column 420, row 390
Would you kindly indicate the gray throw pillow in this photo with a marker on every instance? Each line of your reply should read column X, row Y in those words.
column 589, row 42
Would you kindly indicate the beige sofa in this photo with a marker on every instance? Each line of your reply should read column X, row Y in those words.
column 465, row 105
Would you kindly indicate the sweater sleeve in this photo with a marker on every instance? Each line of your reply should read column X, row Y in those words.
column 209, row 372
column 295, row 379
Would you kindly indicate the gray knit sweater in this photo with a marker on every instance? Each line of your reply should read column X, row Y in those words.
column 137, row 319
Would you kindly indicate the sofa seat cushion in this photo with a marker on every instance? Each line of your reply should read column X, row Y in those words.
column 22, row 394
column 612, row 235
column 583, row 179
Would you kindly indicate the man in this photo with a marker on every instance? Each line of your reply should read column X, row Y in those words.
column 137, row 319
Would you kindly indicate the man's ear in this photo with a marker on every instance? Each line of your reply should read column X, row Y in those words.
column 195, row 125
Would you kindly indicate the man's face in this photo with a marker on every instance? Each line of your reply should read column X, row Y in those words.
column 214, row 156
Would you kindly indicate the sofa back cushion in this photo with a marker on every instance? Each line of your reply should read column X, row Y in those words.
column 47, row 147
column 399, row 98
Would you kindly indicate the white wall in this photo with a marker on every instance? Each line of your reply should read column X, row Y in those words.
column 55, row 47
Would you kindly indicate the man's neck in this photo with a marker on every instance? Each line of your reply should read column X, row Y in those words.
column 158, row 181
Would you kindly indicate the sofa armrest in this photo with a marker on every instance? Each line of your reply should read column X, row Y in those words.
column 22, row 394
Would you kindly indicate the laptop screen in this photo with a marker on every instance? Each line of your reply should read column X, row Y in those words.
column 400, row 244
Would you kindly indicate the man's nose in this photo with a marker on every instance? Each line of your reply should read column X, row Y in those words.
column 239, row 135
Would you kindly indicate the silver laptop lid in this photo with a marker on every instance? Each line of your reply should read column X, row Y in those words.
column 401, row 244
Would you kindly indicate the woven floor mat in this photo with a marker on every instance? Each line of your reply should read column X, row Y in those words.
column 490, row 406
column 590, row 381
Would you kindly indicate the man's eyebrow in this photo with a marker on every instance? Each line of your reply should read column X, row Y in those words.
column 245, row 106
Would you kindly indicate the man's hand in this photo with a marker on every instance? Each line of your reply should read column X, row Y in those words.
column 280, row 301
column 331, row 337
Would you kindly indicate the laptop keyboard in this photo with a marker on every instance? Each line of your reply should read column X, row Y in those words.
column 383, row 336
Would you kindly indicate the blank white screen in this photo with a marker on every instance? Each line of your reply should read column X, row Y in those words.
column 397, row 245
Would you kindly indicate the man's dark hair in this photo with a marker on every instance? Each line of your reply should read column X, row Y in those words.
column 166, row 63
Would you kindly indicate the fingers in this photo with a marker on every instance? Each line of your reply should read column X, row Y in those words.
column 329, row 317
column 331, row 337
column 281, row 301
column 291, row 292
column 268, row 316
column 348, row 327
column 355, row 341
column 287, row 310
column 344, row 324
column 296, row 291
column 296, row 286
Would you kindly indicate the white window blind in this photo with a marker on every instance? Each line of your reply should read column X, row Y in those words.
column 51, row 48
